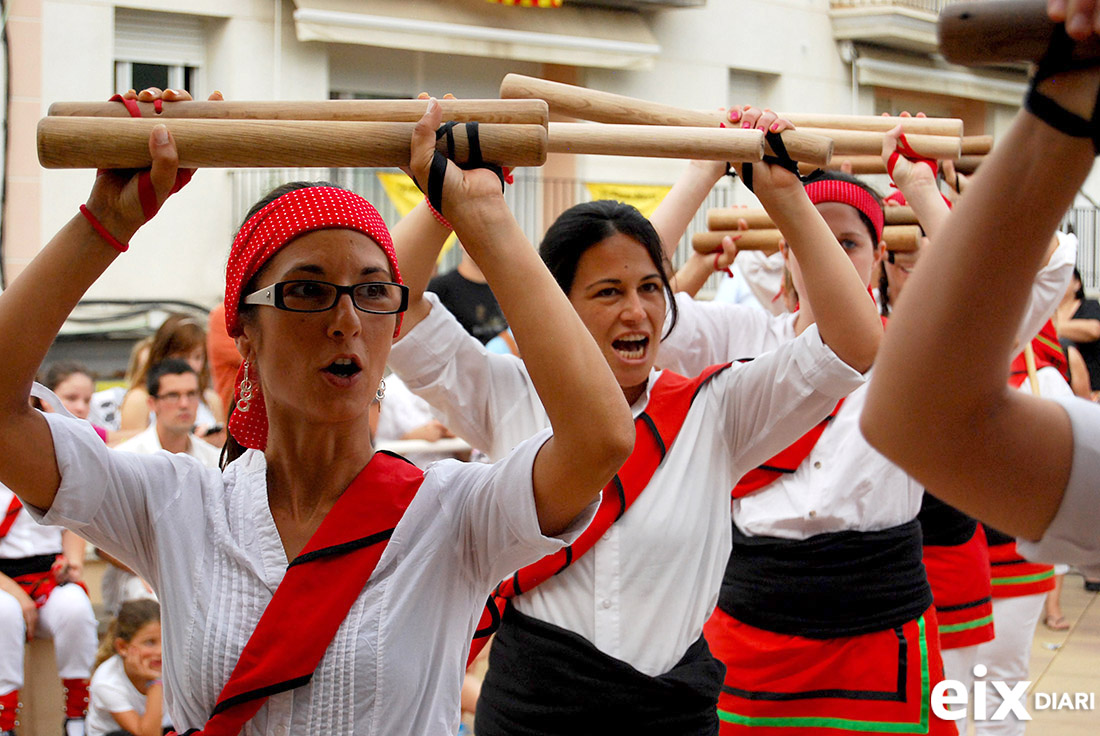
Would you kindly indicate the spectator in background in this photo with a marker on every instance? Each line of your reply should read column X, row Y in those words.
column 106, row 404
column 1078, row 319
column 222, row 354
column 173, row 388
column 466, row 294
column 181, row 337
column 406, row 416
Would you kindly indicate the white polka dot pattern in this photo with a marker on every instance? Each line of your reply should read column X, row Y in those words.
column 295, row 213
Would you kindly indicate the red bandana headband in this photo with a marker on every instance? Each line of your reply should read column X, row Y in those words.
column 295, row 213
column 853, row 195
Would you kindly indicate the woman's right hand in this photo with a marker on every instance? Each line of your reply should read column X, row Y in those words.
column 115, row 198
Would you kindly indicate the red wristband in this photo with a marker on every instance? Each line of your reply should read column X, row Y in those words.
column 439, row 218
column 103, row 232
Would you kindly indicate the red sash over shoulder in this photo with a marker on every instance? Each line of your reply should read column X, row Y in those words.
column 656, row 429
column 10, row 514
column 290, row 639
column 786, row 461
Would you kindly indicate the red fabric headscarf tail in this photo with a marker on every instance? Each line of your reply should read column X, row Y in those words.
column 295, row 213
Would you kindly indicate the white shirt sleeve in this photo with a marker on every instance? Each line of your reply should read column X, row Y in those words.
column 707, row 333
column 113, row 499
column 1049, row 287
column 485, row 398
column 495, row 512
column 773, row 400
column 1074, row 534
column 108, row 695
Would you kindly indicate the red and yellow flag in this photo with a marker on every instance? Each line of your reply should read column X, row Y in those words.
column 529, row 3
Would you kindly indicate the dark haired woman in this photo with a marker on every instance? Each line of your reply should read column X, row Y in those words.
column 611, row 642
column 314, row 585
column 825, row 587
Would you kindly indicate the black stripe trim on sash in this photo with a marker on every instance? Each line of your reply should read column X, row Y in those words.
column 897, row 696
column 515, row 583
column 568, row 559
column 494, row 614
column 961, row 606
column 261, row 692
column 1005, row 563
column 622, row 497
column 656, row 435
column 776, row 468
column 343, row 548
column 710, row 378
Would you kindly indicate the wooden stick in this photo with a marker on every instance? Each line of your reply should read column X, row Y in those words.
column 532, row 112
column 1032, row 371
column 710, row 241
column 605, row 107
column 952, row 127
column 726, row 218
column 123, row 143
column 866, row 142
column 657, row 141
column 867, row 164
column 897, row 237
column 977, row 145
column 1000, row 31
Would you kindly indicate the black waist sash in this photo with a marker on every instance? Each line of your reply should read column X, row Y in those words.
column 943, row 525
column 543, row 680
column 37, row 565
column 830, row 585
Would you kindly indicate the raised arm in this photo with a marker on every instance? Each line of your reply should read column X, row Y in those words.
column 676, row 210
column 37, row 303
column 917, row 181
column 417, row 238
column 593, row 427
column 845, row 315
column 955, row 425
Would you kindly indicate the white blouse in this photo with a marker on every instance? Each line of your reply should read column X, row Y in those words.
column 1074, row 534
column 207, row 543
column 844, row 483
column 643, row 593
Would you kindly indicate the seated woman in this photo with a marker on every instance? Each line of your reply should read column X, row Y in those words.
column 283, row 604
column 610, row 639
column 937, row 420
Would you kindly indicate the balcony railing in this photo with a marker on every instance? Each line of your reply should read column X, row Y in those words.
column 930, row 6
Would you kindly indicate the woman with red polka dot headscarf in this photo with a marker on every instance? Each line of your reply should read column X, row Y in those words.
column 314, row 585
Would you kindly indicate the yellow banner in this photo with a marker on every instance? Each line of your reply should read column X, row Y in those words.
column 645, row 197
column 404, row 195
column 529, row 3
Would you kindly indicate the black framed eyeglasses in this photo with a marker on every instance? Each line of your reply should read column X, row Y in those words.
column 375, row 297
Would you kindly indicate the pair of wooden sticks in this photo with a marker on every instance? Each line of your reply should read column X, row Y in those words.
column 514, row 131
column 901, row 233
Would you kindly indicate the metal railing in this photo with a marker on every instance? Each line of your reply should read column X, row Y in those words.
column 536, row 201
column 930, row 6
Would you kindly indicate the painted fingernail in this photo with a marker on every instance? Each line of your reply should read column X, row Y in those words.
column 735, row 115
column 746, row 124
column 774, row 128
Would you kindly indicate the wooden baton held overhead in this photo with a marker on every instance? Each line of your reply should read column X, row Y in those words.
column 951, row 127
column 1001, row 31
column 533, row 112
column 867, row 142
column 757, row 218
column 606, row 107
column 897, row 237
column 660, row 141
column 123, row 143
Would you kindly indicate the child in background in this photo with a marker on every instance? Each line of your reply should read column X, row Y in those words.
column 127, row 697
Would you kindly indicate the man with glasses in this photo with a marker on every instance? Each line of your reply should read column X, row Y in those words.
column 174, row 398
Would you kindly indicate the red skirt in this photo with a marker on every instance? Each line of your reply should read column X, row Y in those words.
column 782, row 685
column 1013, row 576
column 962, row 591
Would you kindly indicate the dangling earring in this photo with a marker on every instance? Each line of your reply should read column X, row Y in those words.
column 245, row 398
column 381, row 392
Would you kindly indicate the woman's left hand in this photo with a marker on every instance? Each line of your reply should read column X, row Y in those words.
column 467, row 194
